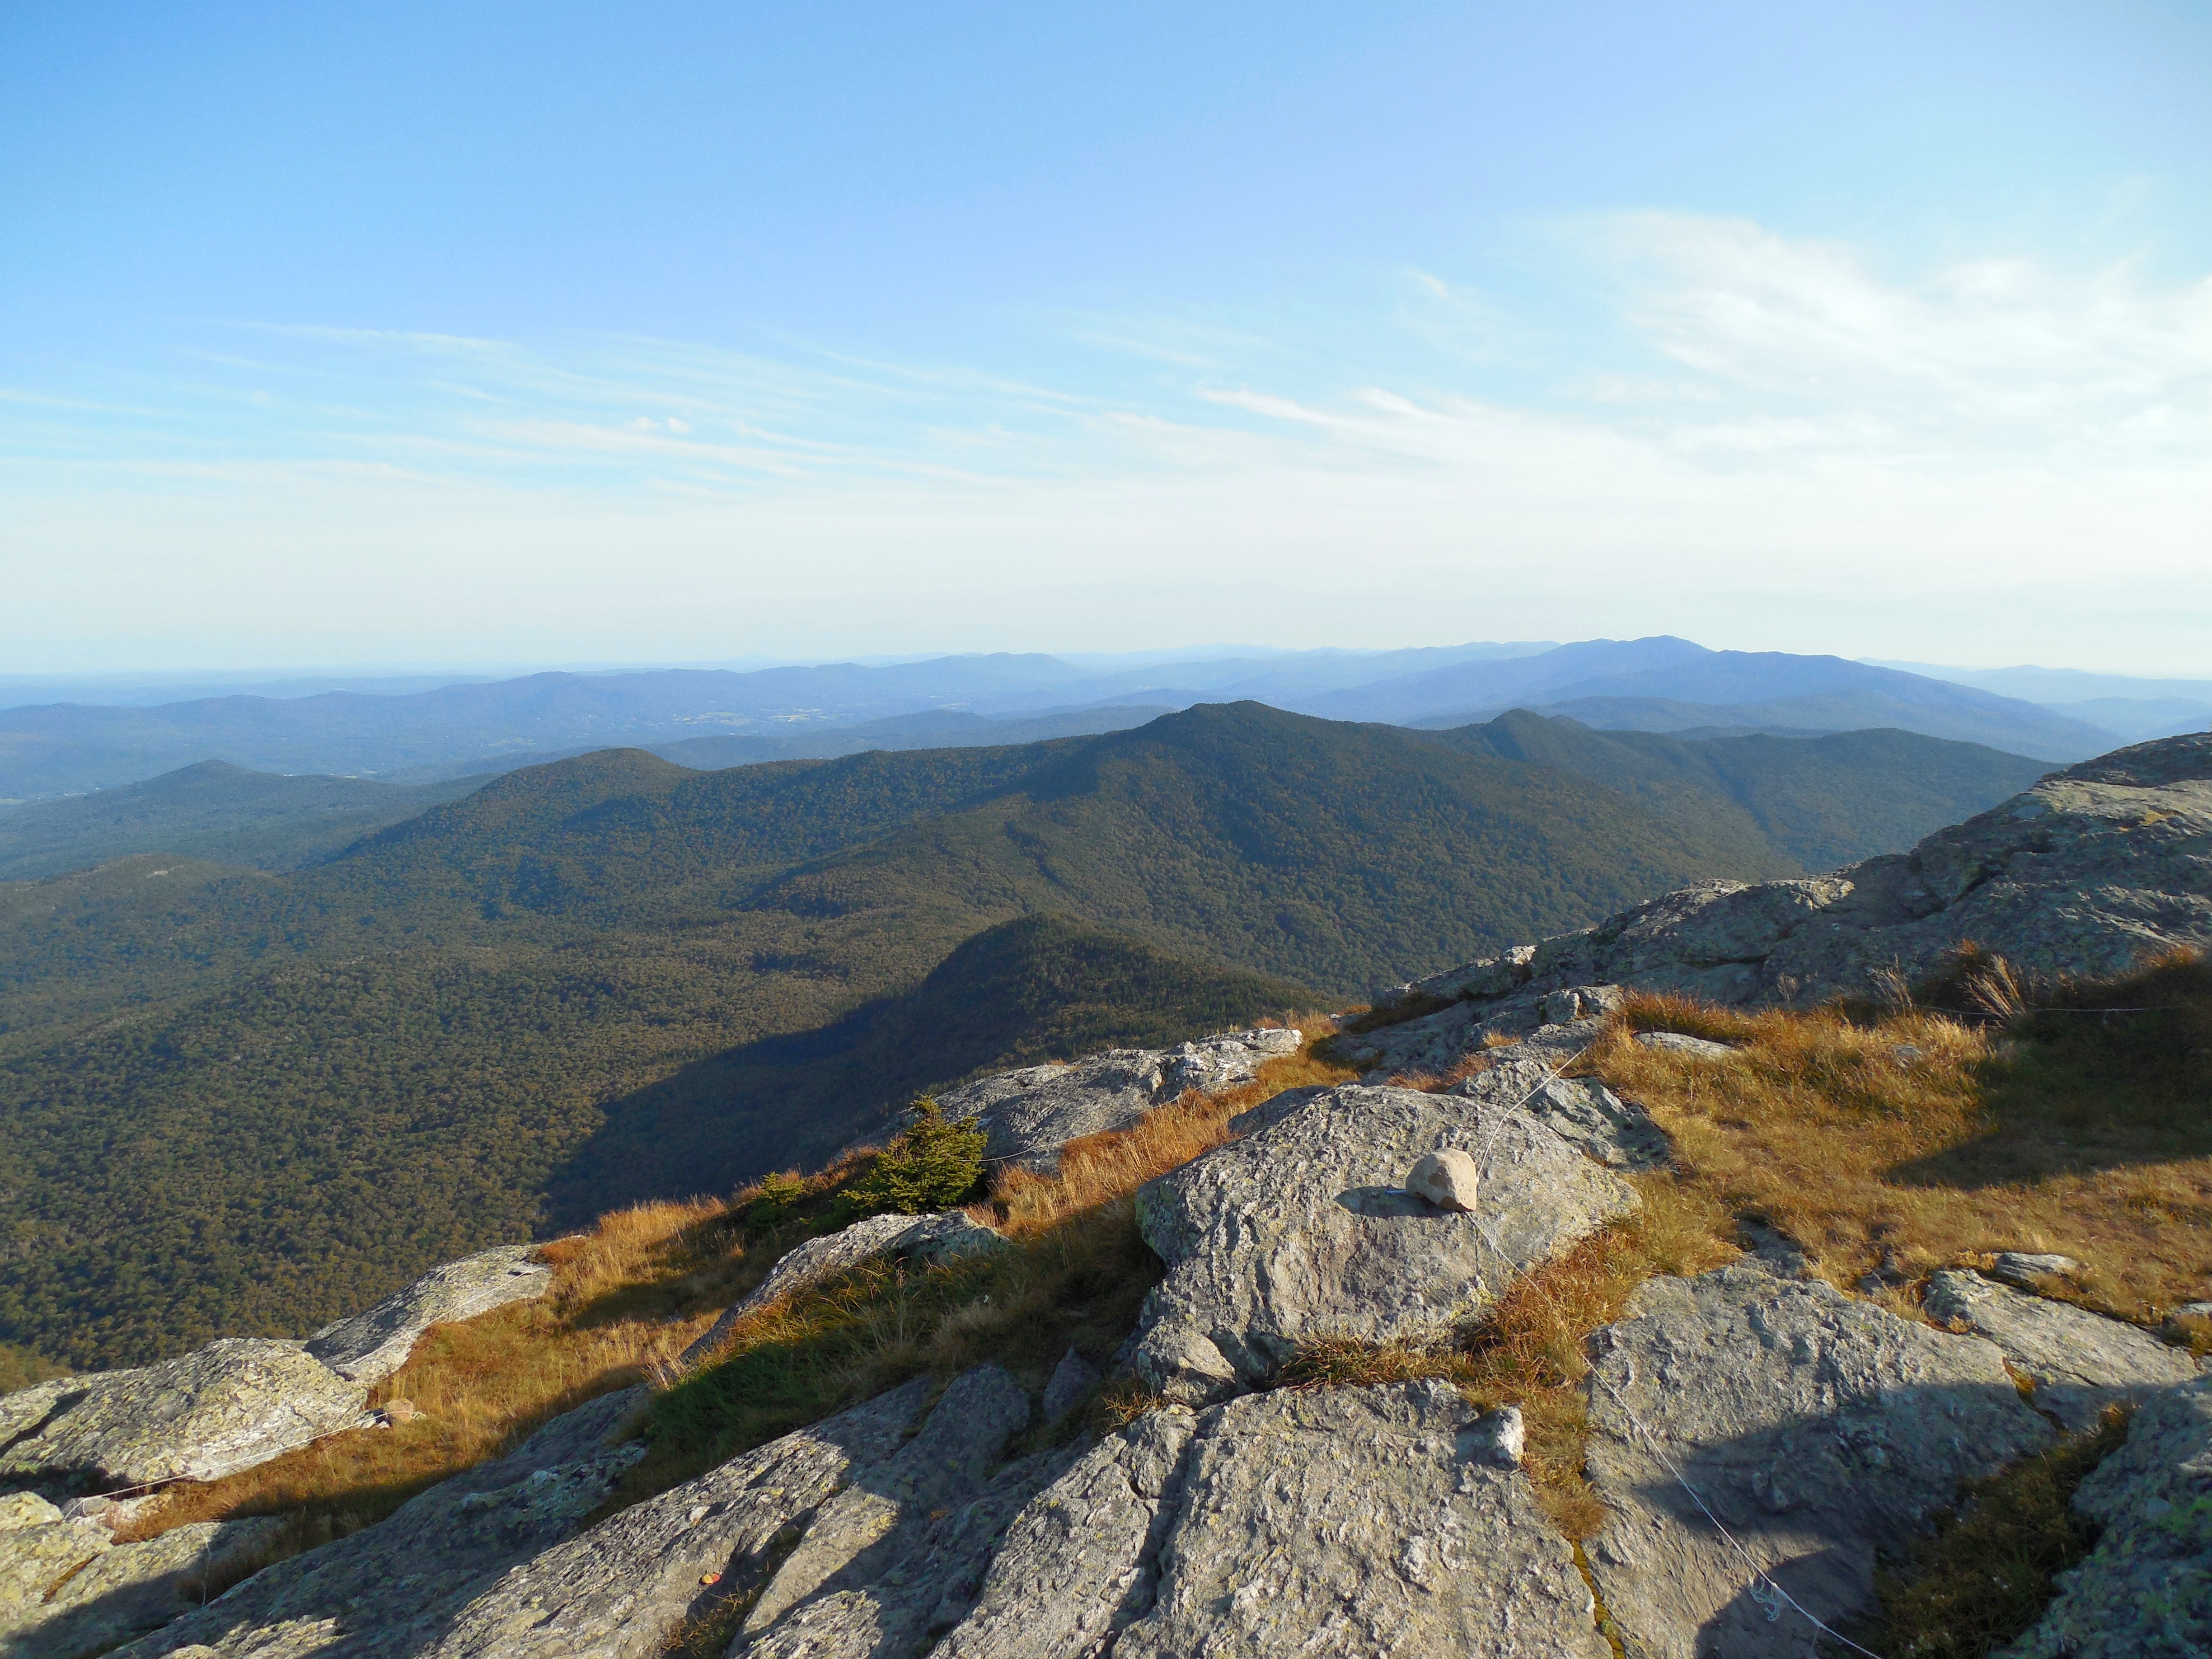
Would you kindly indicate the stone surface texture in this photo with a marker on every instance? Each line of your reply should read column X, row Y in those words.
column 26, row 1509
column 1815, row 1429
column 1032, row 1113
column 900, row 1552
column 125, row 1590
column 369, row 1346
column 1300, row 1230
column 1374, row 1521
column 618, row 1590
column 229, row 1406
column 1071, row 1384
column 1081, row 1559
column 2146, row 1591
column 1580, row 1111
column 1681, row 1043
column 2079, row 1362
column 2095, row 868
column 1358, row 1521
column 394, row 1589
column 2024, row 1267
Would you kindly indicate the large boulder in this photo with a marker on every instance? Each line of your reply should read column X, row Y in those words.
column 1758, row 1439
column 2095, row 868
column 1303, row 1229
column 2079, row 1362
column 228, row 1407
column 109, row 1593
column 1031, row 1113
column 619, row 1590
column 2146, row 1591
column 1358, row 1521
column 900, row 1553
column 392, row 1591
column 369, row 1346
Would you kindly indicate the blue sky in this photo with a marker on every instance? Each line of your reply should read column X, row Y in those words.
column 412, row 334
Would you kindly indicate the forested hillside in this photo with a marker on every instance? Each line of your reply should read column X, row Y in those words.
column 250, row 1101
column 1822, row 801
column 245, row 1100
column 212, row 811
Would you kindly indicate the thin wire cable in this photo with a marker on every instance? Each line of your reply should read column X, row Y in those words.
column 1776, row 1595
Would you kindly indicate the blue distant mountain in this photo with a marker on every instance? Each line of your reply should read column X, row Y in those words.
column 1659, row 683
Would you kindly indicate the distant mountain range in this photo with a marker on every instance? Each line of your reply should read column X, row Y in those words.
column 2136, row 710
column 723, row 717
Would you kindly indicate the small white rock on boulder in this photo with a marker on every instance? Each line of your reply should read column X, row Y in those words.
column 1447, row 1177
column 1301, row 1229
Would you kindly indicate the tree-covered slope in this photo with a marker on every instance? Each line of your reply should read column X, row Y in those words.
column 1327, row 853
column 245, row 1100
column 1036, row 989
column 212, row 811
column 1821, row 801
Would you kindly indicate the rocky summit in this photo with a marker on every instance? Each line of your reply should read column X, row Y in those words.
column 2087, row 873
column 1753, row 1444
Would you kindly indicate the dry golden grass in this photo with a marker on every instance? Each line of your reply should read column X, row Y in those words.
column 1909, row 1140
column 626, row 1297
column 1075, row 1279
column 1102, row 1169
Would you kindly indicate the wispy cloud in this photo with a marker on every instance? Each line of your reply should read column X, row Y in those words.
column 1774, row 444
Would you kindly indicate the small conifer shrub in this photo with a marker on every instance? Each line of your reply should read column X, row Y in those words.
column 932, row 1164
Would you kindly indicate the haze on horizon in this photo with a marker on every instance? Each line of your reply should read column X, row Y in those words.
column 527, row 335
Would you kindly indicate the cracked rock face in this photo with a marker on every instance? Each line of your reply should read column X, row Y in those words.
column 108, row 1593
column 369, row 1346
column 392, row 1591
column 1359, row 1521
column 1301, row 1230
column 1081, row 1559
column 901, row 1551
column 228, row 1407
column 2096, row 867
column 2081, row 1363
column 1344, row 1521
column 1816, row 1429
column 618, row 1591
column 2146, row 1591
column 1032, row 1113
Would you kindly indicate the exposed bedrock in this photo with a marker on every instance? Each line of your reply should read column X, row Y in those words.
column 1814, row 1431
column 2096, row 867
column 1303, row 1229
column 1373, row 1521
column 1032, row 1113
column 369, row 1346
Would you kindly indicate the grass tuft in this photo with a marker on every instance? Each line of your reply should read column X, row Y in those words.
column 1985, row 1575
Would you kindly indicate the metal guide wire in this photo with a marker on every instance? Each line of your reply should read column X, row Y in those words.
column 1770, row 1596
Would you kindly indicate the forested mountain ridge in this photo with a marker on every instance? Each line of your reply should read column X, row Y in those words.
column 1822, row 800
column 247, row 1101
column 214, row 810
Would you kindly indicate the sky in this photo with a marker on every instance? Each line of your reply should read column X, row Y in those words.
column 416, row 334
